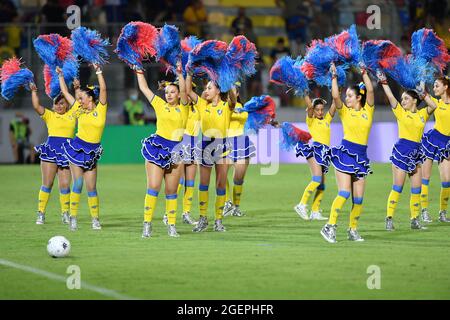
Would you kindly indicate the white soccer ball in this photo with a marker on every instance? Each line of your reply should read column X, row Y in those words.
column 58, row 247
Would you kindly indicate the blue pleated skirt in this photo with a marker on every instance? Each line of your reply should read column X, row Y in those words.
column 52, row 151
column 351, row 158
column 406, row 155
column 319, row 151
column 188, row 149
column 241, row 148
column 81, row 153
column 435, row 145
column 161, row 151
column 212, row 150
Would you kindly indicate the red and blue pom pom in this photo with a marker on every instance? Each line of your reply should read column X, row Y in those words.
column 205, row 59
column 54, row 49
column 409, row 72
column 12, row 76
column 89, row 45
column 287, row 71
column 51, row 80
column 168, row 47
column 261, row 110
column 136, row 43
column 187, row 45
column 291, row 135
column 379, row 54
column 347, row 46
column 425, row 44
column 316, row 64
column 241, row 55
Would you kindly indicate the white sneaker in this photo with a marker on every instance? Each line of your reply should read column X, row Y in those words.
column 302, row 211
column 317, row 215
column 96, row 224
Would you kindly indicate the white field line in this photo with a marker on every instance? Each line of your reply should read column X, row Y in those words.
column 57, row 277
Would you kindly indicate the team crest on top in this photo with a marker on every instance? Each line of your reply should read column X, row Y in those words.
column 365, row 116
column 95, row 114
column 177, row 109
column 422, row 119
column 219, row 112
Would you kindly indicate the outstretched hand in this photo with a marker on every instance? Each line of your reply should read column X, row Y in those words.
column 33, row 86
column 381, row 76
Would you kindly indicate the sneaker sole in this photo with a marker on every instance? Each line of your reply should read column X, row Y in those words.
column 326, row 238
column 304, row 217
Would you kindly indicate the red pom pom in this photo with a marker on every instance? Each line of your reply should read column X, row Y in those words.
column 9, row 67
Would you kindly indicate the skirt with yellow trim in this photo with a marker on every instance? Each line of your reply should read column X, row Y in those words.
column 52, row 151
column 160, row 151
column 81, row 153
column 351, row 158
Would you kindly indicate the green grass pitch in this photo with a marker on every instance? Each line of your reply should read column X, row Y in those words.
column 268, row 254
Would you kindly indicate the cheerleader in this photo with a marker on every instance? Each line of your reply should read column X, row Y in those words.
column 189, row 163
column 436, row 146
column 407, row 155
column 317, row 155
column 159, row 150
column 61, row 126
column 242, row 150
column 350, row 158
column 215, row 116
column 85, row 149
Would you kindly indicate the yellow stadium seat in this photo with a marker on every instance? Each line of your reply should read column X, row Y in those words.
column 248, row 3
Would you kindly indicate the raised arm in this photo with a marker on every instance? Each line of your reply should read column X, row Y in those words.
column 143, row 86
column 387, row 90
column 76, row 87
column 370, row 95
column 102, row 97
column 35, row 100
column 189, row 91
column 64, row 90
column 232, row 98
column 335, row 87
column 182, row 85
column 309, row 106
column 332, row 110
column 423, row 94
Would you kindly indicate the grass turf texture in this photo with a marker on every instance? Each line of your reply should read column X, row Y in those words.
column 268, row 254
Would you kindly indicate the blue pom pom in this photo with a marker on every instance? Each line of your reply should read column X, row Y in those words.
column 426, row 45
column 22, row 78
column 187, row 45
column 287, row 71
column 409, row 71
column 291, row 135
column 89, row 45
column 255, row 122
column 205, row 59
column 168, row 47
column 254, row 104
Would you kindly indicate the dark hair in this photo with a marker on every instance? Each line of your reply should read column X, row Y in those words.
column 413, row 95
column 360, row 90
column 92, row 91
column 446, row 81
column 58, row 98
column 318, row 101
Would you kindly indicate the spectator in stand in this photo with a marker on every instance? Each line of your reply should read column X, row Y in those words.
column 280, row 50
column 8, row 11
column 168, row 13
column 14, row 33
column 133, row 109
column 241, row 24
column 19, row 136
column 195, row 17
column 298, row 17
column 53, row 13
column 6, row 52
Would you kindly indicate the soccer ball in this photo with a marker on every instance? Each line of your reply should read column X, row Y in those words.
column 58, row 247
